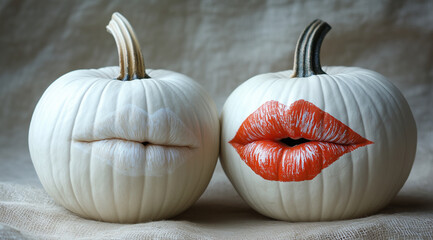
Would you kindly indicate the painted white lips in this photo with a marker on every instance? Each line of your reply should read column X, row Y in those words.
column 136, row 143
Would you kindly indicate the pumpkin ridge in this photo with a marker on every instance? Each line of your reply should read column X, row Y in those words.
column 98, row 211
column 378, row 84
column 70, row 148
column 345, row 213
column 52, row 141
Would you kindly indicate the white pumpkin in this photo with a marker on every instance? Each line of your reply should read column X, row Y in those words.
column 303, row 145
column 124, row 151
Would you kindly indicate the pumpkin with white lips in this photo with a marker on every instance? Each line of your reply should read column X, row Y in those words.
column 313, row 144
column 137, row 148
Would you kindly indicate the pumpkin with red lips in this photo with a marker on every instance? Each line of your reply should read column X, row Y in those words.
column 136, row 147
column 317, row 144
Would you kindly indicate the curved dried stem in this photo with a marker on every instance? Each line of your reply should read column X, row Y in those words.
column 307, row 53
column 131, row 61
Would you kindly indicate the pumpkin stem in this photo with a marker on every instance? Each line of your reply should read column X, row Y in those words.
column 307, row 53
column 131, row 61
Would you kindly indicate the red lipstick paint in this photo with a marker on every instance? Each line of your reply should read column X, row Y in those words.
column 294, row 143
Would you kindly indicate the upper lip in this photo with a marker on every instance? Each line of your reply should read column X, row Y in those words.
column 132, row 123
column 258, row 140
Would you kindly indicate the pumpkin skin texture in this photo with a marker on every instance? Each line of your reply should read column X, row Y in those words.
column 124, row 151
column 359, row 182
column 122, row 180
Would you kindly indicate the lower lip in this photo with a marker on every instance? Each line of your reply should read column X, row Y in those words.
column 276, row 161
column 133, row 158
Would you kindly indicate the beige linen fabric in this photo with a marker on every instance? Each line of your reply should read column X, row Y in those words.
column 220, row 44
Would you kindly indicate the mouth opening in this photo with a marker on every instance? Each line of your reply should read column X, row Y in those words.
column 145, row 143
column 293, row 142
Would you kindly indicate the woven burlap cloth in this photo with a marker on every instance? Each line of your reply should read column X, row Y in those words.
column 220, row 44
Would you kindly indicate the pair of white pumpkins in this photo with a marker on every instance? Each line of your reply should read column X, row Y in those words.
column 297, row 145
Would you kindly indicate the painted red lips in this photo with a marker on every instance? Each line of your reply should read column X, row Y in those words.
column 293, row 143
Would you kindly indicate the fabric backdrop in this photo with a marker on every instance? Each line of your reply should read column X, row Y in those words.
column 220, row 44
